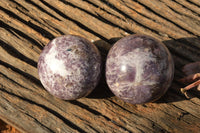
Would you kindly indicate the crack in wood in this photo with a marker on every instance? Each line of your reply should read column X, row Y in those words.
column 28, row 76
column 98, row 16
column 73, row 20
column 43, row 32
column 164, row 17
column 12, row 51
column 72, row 125
column 20, row 33
column 193, row 3
column 129, row 17
column 43, row 10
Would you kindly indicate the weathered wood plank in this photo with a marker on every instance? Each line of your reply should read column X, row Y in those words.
column 179, row 20
column 27, row 26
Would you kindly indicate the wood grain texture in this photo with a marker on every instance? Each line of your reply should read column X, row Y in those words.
column 26, row 26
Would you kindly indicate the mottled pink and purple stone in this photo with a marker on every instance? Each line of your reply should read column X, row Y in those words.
column 69, row 67
column 139, row 69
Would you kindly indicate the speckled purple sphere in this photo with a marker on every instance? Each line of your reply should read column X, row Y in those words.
column 139, row 69
column 69, row 67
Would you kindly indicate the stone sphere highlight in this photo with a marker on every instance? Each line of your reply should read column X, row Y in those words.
column 69, row 67
column 139, row 69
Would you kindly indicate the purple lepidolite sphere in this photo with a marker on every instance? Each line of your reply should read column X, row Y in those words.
column 139, row 69
column 69, row 67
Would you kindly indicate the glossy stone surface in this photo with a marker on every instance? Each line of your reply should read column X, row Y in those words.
column 69, row 67
column 139, row 69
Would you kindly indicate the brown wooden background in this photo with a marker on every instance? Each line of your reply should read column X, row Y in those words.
column 26, row 26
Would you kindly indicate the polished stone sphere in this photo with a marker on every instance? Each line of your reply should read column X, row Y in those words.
column 139, row 69
column 69, row 67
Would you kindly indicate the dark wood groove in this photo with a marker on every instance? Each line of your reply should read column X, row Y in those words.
column 191, row 2
column 157, row 126
column 72, row 125
column 188, row 7
column 100, row 18
column 182, row 13
column 196, row 13
column 162, row 23
column 93, row 4
column 19, row 5
column 132, row 19
column 20, row 33
column 82, row 105
column 95, row 112
column 143, row 15
column 75, row 21
column 149, row 18
column 166, row 18
column 38, row 20
column 110, row 21
column 184, row 110
column 41, row 9
column 56, row 29
column 43, row 32
column 14, row 82
column 28, row 76
column 195, row 103
column 12, row 51
column 49, row 130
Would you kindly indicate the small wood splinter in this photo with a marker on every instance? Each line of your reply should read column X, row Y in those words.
column 192, row 71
